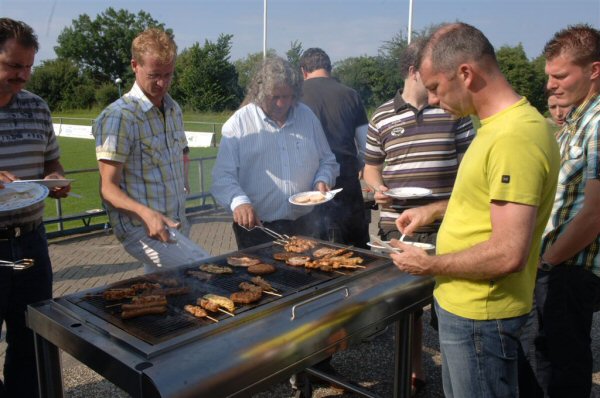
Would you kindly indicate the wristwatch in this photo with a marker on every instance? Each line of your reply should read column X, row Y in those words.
column 545, row 265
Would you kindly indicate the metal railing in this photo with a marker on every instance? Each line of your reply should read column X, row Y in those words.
column 213, row 127
column 199, row 198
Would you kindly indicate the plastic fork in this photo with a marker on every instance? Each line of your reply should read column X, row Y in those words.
column 386, row 246
column 18, row 265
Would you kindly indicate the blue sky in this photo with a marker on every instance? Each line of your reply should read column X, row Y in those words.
column 343, row 28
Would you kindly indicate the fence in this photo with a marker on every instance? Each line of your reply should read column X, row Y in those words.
column 201, row 134
column 94, row 219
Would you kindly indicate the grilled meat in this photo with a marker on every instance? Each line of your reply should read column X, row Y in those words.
column 257, row 280
column 250, row 287
column 245, row 297
column 282, row 256
column 242, row 261
column 195, row 310
column 208, row 305
column 299, row 245
column 118, row 293
column 261, row 269
column 215, row 269
column 221, row 301
column 161, row 309
column 297, row 261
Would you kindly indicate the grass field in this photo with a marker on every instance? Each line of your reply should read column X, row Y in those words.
column 79, row 154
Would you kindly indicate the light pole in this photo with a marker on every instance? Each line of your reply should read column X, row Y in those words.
column 118, row 82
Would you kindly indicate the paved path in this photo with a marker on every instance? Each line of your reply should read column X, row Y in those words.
column 96, row 259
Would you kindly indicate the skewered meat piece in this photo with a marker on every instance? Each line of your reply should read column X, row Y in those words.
column 137, row 306
column 297, row 261
column 208, row 305
column 282, row 256
column 195, row 310
column 261, row 269
column 257, row 280
column 299, row 245
column 215, row 269
column 221, row 301
column 250, row 287
column 242, row 261
column 143, row 311
column 118, row 293
column 245, row 297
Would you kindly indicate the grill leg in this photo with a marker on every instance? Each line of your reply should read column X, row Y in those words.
column 48, row 368
column 402, row 346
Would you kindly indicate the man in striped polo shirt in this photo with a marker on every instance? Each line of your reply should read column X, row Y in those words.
column 413, row 144
column 568, row 281
column 139, row 146
column 28, row 150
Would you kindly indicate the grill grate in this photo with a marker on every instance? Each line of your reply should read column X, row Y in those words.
column 154, row 329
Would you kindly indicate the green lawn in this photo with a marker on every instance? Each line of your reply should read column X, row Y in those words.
column 79, row 154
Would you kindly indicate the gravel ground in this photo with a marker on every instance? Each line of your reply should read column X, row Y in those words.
column 374, row 373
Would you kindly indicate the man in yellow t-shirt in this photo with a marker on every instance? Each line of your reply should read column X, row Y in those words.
column 489, row 240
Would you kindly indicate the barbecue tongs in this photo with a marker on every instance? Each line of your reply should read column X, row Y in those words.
column 18, row 265
column 267, row 231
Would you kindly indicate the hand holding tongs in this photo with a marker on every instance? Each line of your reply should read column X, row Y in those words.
column 18, row 265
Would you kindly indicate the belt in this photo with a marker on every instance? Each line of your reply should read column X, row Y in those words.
column 16, row 231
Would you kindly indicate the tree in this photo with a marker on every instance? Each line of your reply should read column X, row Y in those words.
column 522, row 74
column 103, row 46
column 364, row 74
column 294, row 53
column 205, row 80
column 62, row 85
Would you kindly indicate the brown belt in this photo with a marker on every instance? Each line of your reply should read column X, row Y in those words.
column 16, row 231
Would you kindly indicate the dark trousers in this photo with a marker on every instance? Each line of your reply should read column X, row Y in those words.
column 343, row 219
column 17, row 290
column 565, row 323
column 304, row 226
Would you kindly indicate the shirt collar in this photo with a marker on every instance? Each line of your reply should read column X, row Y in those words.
column 137, row 93
column 290, row 116
column 400, row 105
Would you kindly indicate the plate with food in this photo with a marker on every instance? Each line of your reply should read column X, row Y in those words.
column 49, row 183
column 408, row 192
column 18, row 196
column 310, row 198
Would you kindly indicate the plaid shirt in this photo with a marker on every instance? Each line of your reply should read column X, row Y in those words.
column 578, row 141
column 150, row 145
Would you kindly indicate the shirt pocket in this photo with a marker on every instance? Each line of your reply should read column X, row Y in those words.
column 572, row 167
column 152, row 151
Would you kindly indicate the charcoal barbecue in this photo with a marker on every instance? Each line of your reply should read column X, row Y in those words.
column 177, row 355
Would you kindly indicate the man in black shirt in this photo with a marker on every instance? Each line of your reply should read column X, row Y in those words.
column 344, row 120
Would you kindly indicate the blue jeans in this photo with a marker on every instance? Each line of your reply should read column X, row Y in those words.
column 479, row 358
column 17, row 290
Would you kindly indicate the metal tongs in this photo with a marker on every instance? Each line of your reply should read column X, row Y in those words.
column 269, row 232
column 384, row 245
column 18, row 265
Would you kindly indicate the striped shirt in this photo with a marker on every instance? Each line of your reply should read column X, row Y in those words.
column 27, row 141
column 263, row 164
column 150, row 145
column 417, row 148
column 579, row 141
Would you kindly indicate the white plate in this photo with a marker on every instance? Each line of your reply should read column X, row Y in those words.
column 408, row 192
column 21, row 195
column 376, row 246
column 327, row 196
column 50, row 183
column 420, row 245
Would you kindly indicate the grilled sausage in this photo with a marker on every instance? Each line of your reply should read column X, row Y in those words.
column 143, row 311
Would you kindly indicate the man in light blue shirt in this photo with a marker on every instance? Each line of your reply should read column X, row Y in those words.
column 272, row 147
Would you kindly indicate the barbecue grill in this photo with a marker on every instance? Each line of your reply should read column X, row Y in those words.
column 176, row 355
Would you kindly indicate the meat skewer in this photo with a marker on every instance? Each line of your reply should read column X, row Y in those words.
column 213, row 303
column 250, row 287
column 198, row 312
